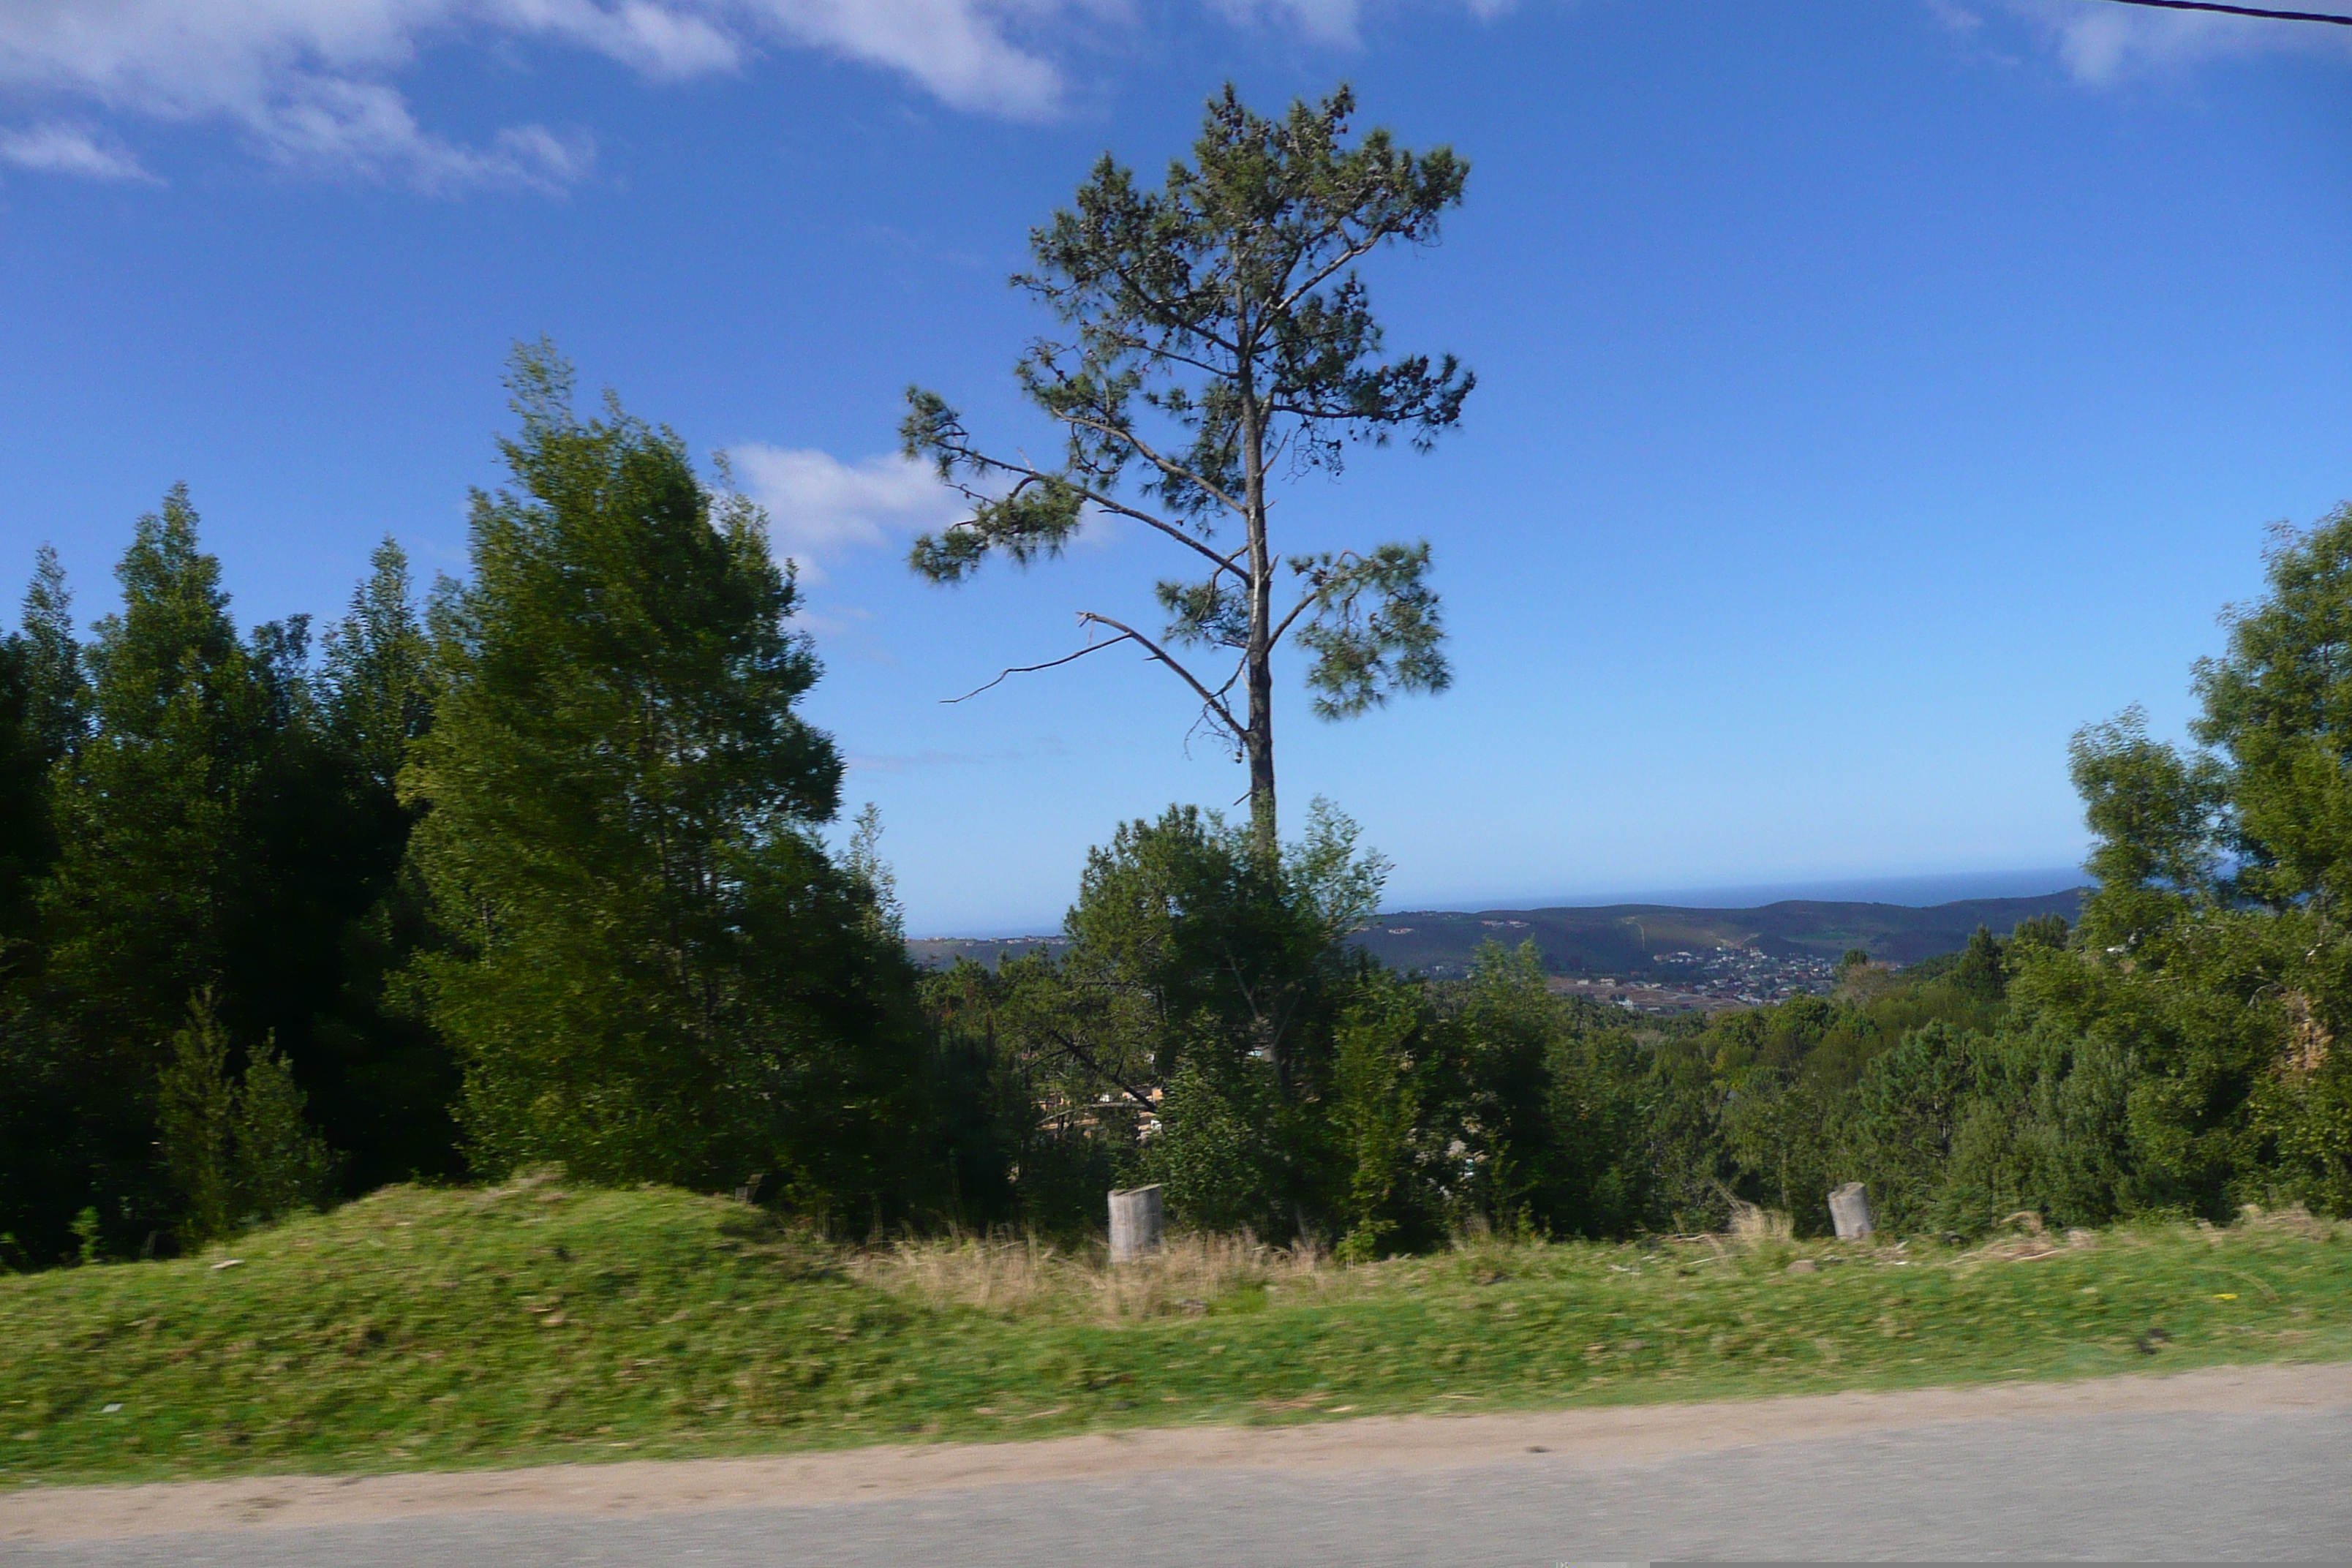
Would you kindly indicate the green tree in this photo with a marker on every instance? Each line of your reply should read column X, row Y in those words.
column 378, row 674
column 42, row 696
column 654, row 971
column 2214, row 961
column 236, row 1146
column 1509, row 1027
column 1185, row 912
column 179, row 839
column 1386, row 1071
column 1198, row 968
column 2155, row 819
column 382, row 1079
column 1219, row 333
column 1981, row 971
column 152, row 811
column 2277, row 709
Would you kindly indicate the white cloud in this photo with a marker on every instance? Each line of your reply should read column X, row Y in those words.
column 310, row 84
column 62, row 149
column 2101, row 43
column 821, row 508
column 1332, row 22
column 308, row 81
column 956, row 48
column 1336, row 23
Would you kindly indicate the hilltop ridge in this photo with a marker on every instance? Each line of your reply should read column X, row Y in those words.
column 1660, row 940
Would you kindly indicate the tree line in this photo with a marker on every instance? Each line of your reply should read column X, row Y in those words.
column 530, row 869
column 530, row 872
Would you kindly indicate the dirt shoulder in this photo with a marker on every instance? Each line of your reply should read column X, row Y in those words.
column 1614, row 1435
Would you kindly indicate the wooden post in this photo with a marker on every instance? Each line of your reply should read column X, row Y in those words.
column 1850, row 1212
column 1136, row 1224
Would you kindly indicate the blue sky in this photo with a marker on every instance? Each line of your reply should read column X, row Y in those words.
column 1871, row 391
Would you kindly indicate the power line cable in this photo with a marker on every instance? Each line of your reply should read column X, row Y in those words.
column 2242, row 11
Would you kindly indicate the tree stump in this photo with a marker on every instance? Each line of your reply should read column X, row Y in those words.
column 1136, row 1224
column 1850, row 1212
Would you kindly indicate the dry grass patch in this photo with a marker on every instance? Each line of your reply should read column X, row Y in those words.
column 1022, row 1276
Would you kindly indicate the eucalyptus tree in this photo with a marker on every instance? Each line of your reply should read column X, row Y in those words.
column 1218, row 335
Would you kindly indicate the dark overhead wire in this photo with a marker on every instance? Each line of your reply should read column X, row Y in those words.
column 2241, row 11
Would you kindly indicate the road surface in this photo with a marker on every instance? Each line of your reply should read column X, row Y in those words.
column 2228, row 1464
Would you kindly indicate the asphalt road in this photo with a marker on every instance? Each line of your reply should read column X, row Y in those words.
column 2265, row 1483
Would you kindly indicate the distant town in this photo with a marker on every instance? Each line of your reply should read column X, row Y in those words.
column 1712, row 981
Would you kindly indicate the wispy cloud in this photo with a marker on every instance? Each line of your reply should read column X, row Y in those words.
column 61, row 149
column 958, row 49
column 1336, row 23
column 821, row 508
column 2101, row 43
column 309, row 83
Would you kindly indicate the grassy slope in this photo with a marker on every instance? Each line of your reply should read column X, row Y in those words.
column 446, row 1328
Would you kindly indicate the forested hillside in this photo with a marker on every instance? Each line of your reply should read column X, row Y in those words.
column 1629, row 939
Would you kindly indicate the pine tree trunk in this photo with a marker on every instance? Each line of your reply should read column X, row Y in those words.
column 1258, row 742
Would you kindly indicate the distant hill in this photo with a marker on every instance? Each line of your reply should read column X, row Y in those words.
column 942, row 951
column 1621, row 939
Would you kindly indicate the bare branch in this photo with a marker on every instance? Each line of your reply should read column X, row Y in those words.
column 1209, row 699
column 1033, row 669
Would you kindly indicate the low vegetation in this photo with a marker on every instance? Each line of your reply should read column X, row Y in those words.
column 427, row 1328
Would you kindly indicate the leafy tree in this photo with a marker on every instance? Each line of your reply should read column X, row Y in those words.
column 1188, row 916
column 1201, row 987
column 238, row 1146
column 2153, row 812
column 1906, row 1113
column 2215, row 960
column 58, row 692
column 1219, row 333
column 1387, row 1072
column 2277, row 708
column 1508, row 1025
column 654, row 971
column 27, row 838
column 378, row 674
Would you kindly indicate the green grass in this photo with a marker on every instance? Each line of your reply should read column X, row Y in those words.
column 424, row 1328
